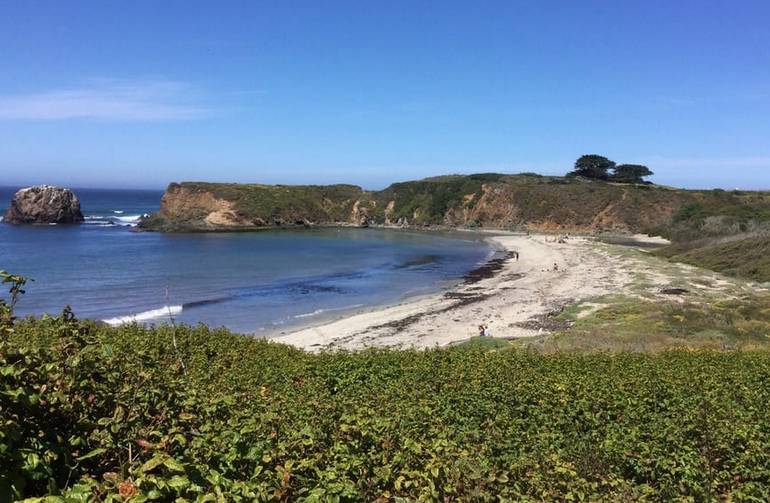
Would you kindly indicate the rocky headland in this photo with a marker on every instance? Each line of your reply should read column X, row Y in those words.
column 514, row 202
column 722, row 230
column 44, row 204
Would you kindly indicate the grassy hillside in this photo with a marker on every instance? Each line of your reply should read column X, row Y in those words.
column 726, row 233
column 722, row 214
column 91, row 413
column 335, row 201
column 747, row 257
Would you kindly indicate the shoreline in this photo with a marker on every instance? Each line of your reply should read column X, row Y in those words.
column 515, row 299
column 159, row 314
column 496, row 252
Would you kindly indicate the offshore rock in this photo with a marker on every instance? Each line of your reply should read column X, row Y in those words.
column 44, row 204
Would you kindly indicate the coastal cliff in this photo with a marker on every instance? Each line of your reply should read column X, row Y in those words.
column 525, row 202
column 197, row 206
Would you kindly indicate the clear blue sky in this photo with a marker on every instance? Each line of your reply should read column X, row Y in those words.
column 141, row 93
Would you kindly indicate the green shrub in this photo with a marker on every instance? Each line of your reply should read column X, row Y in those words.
column 90, row 413
column 94, row 413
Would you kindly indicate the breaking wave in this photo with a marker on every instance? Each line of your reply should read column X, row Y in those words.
column 129, row 219
column 104, row 221
column 152, row 314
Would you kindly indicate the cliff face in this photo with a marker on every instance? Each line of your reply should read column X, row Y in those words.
column 579, row 207
column 180, row 203
column 485, row 200
column 540, row 203
column 193, row 206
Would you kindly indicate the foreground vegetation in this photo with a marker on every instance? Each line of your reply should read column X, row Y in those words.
column 93, row 413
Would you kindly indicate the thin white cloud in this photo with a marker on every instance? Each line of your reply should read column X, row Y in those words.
column 109, row 100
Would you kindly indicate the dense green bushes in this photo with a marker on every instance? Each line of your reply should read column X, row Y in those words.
column 96, row 413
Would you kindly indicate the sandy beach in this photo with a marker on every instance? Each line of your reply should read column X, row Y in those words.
column 511, row 296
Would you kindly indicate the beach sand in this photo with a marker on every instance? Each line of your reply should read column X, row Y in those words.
column 514, row 298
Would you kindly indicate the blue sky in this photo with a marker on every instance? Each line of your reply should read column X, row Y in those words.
column 141, row 93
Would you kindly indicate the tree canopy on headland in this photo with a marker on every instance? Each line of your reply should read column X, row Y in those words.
column 597, row 167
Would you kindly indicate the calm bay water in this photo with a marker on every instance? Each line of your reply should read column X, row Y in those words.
column 248, row 282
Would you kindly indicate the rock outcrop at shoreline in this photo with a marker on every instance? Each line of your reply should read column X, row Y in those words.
column 44, row 204
column 523, row 202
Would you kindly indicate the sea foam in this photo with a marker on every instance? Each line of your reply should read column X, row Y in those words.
column 321, row 311
column 145, row 315
column 308, row 315
column 127, row 220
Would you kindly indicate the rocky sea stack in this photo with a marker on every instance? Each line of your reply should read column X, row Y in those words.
column 44, row 204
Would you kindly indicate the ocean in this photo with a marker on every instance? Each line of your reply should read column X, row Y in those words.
column 259, row 282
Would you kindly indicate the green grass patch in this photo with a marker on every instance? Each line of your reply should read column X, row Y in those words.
column 485, row 344
column 633, row 324
column 574, row 311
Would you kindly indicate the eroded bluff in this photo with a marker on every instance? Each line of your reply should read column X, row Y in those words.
column 525, row 202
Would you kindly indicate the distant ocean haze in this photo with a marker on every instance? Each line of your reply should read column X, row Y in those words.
column 249, row 282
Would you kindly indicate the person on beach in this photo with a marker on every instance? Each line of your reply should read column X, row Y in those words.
column 481, row 330
column 486, row 332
